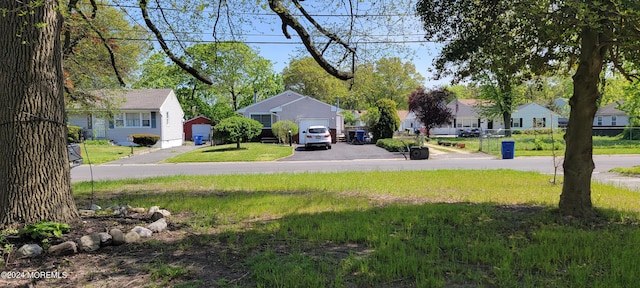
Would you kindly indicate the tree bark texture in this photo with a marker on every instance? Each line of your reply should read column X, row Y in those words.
column 575, row 199
column 34, row 174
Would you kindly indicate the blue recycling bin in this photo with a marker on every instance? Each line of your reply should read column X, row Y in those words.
column 508, row 149
column 360, row 136
column 197, row 140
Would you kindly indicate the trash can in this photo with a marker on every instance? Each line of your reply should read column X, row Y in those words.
column 360, row 136
column 508, row 149
column 197, row 140
column 419, row 153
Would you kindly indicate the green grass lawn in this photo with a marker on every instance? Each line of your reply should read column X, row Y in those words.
column 492, row 228
column 229, row 153
column 635, row 170
column 101, row 151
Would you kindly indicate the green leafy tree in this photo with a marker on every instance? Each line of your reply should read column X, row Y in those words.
column 584, row 36
column 237, row 129
column 306, row 77
column 430, row 107
column 349, row 118
column 282, row 128
column 395, row 80
column 97, row 51
column 236, row 71
column 388, row 120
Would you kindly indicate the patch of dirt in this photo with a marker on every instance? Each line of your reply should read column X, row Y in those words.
column 176, row 255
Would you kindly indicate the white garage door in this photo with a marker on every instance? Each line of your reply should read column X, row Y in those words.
column 303, row 125
column 201, row 129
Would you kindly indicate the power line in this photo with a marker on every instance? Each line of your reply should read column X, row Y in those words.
column 264, row 14
column 281, row 42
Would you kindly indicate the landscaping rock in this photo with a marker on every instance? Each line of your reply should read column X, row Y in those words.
column 105, row 239
column 29, row 251
column 90, row 242
column 117, row 237
column 131, row 237
column 65, row 248
column 95, row 207
column 153, row 209
column 137, row 210
column 156, row 215
column 143, row 232
column 86, row 213
column 121, row 211
column 164, row 212
column 158, row 226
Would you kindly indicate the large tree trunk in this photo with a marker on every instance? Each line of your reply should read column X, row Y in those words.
column 34, row 175
column 578, row 162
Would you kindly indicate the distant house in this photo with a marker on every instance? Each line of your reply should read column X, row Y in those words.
column 199, row 125
column 609, row 120
column 142, row 111
column 465, row 116
column 303, row 110
column 533, row 116
column 408, row 121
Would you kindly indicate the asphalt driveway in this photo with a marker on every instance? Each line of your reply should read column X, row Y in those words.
column 342, row 151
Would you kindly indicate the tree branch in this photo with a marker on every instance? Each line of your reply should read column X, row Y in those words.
column 186, row 67
column 288, row 20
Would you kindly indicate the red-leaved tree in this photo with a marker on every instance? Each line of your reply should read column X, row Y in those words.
column 430, row 107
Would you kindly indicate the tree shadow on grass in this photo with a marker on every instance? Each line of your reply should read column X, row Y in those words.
column 227, row 149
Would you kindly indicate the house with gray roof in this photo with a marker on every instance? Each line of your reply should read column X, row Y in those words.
column 135, row 111
column 303, row 110
column 609, row 120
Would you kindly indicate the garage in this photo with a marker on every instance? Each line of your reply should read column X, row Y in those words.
column 305, row 123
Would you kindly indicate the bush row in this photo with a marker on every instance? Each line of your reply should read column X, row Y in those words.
column 394, row 145
column 145, row 139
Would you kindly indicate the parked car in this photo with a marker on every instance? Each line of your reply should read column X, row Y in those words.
column 317, row 136
column 469, row 132
column 75, row 155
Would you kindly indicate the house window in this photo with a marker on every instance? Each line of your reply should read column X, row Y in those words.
column 539, row 122
column 119, row 120
column 264, row 119
column 614, row 121
column 167, row 117
column 132, row 120
column 146, row 119
column 516, row 122
column 599, row 120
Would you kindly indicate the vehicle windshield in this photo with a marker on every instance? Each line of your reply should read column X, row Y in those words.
column 317, row 130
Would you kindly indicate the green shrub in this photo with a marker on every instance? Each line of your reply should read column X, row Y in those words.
column 632, row 133
column 281, row 129
column 145, row 139
column 44, row 230
column 237, row 128
column 394, row 145
column 74, row 133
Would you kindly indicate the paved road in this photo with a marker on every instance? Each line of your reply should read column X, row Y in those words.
column 367, row 158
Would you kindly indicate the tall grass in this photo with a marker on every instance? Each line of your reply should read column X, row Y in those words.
column 493, row 228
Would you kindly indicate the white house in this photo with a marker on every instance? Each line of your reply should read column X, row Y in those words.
column 303, row 110
column 408, row 121
column 609, row 120
column 141, row 111
column 465, row 116
column 533, row 116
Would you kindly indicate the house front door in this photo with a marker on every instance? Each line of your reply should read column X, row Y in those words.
column 99, row 128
